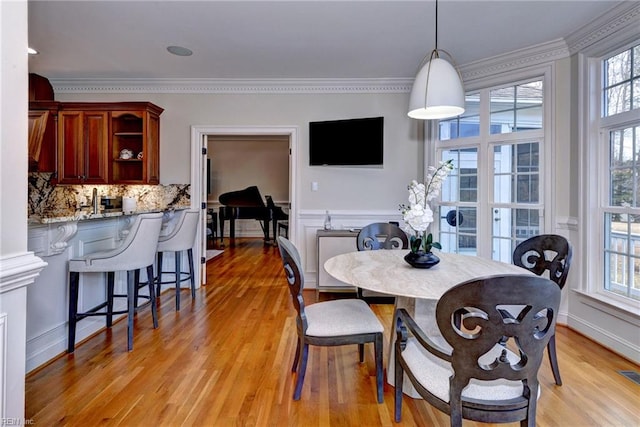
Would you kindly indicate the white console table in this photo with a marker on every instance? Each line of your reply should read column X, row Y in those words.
column 332, row 243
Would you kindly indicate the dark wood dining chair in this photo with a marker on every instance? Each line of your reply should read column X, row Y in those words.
column 328, row 323
column 550, row 253
column 472, row 374
column 380, row 235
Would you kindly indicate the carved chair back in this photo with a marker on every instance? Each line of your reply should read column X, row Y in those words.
column 545, row 252
column 484, row 325
column 295, row 278
column 382, row 235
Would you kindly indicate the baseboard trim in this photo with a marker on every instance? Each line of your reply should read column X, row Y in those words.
column 619, row 346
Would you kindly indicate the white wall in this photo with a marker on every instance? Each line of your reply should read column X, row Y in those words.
column 239, row 162
column 14, row 80
column 339, row 188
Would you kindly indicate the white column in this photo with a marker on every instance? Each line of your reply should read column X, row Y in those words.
column 18, row 267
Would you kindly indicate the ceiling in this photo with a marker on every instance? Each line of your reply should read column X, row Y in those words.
column 285, row 40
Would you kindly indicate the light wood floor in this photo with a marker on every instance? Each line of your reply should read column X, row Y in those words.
column 225, row 360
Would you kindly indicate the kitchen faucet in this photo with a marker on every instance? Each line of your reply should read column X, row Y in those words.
column 95, row 202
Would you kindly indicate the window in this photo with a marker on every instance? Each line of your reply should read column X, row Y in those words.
column 611, row 175
column 516, row 196
column 621, row 206
column 621, row 91
column 516, row 108
column 458, row 213
column 493, row 198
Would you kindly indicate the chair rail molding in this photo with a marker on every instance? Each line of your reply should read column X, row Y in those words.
column 569, row 223
column 17, row 271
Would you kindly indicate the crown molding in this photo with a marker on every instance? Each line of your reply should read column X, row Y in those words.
column 522, row 58
column 232, row 86
column 621, row 22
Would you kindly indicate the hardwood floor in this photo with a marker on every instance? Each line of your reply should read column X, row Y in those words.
column 225, row 360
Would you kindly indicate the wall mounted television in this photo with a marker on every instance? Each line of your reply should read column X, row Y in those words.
column 350, row 142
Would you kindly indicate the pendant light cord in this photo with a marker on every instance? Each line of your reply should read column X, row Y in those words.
column 436, row 24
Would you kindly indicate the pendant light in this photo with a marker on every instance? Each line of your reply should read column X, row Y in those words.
column 437, row 91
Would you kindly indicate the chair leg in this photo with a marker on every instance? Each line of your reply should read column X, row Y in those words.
column 532, row 407
column 159, row 278
column 131, row 291
column 74, row 278
column 378, row 356
column 455, row 403
column 304, row 352
column 398, row 380
column 361, row 352
column 136, row 280
column 296, row 357
column 110, row 292
column 178, row 262
column 553, row 359
column 191, row 275
column 152, row 296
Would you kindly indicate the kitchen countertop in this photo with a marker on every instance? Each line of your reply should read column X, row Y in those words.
column 85, row 216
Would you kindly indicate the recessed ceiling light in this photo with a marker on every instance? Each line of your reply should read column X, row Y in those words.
column 32, row 51
column 179, row 50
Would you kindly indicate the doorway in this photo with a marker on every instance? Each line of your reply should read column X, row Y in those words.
column 199, row 142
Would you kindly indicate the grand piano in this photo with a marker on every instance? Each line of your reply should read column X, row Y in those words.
column 248, row 204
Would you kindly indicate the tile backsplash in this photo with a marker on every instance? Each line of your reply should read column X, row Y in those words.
column 52, row 201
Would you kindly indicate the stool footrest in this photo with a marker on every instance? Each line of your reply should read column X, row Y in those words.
column 184, row 275
column 125, row 296
column 94, row 311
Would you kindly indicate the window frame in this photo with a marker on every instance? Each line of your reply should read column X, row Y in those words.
column 485, row 142
column 593, row 134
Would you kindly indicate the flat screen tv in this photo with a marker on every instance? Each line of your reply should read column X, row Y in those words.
column 351, row 142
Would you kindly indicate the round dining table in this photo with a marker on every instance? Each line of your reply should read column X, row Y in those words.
column 416, row 290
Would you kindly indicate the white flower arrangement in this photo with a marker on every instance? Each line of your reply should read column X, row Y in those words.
column 418, row 215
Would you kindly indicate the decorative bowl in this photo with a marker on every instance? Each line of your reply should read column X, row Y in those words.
column 421, row 259
column 126, row 154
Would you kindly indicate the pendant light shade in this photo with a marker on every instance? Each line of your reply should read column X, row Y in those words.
column 437, row 91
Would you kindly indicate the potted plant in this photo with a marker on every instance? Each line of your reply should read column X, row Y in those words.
column 418, row 216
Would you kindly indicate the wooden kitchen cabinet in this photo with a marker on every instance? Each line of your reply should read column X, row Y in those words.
column 136, row 129
column 91, row 137
column 43, row 125
column 43, row 135
column 82, row 146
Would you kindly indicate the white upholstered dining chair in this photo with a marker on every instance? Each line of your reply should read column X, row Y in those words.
column 328, row 323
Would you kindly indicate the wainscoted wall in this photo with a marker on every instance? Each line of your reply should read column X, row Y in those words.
column 310, row 221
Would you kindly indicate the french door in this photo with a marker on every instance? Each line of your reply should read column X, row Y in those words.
column 494, row 197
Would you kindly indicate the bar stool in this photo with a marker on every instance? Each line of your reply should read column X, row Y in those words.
column 181, row 238
column 136, row 251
